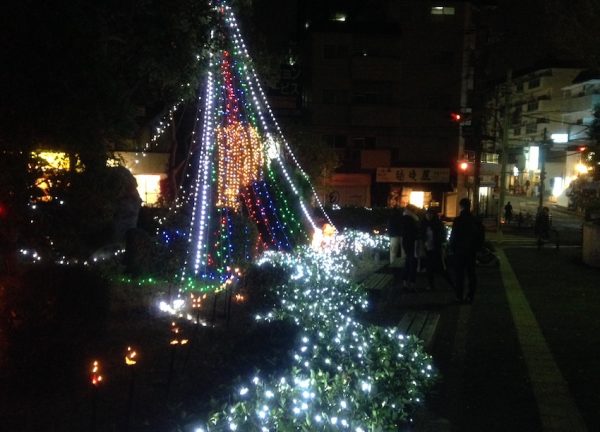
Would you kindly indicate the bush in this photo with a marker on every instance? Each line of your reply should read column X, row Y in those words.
column 259, row 286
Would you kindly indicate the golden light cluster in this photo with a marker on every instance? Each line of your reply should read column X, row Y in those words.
column 176, row 339
column 131, row 357
column 240, row 159
column 197, row 300
column 96, row 376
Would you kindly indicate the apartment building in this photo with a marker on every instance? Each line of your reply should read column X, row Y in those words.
column 381, row 82
column 538, row 130
column 579, row 101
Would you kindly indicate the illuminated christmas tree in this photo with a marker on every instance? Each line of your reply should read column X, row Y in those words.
column 241, row 166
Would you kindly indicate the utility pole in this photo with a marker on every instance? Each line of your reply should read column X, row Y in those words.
column 504, row 144
column 543, row 153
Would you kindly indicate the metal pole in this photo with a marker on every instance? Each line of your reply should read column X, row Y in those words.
column 504, row 144
column 543, row 149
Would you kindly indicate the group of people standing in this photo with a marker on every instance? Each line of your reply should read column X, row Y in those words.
column 420, row 239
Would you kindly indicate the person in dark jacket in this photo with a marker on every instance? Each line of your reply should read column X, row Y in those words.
column 410, row 233
column 508, row 212
column 464, row 243
column 434, row 237
column 395, row 234
column 542, row 223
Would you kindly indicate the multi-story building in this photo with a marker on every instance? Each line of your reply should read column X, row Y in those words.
column 579, row 102
column 537, row 129
column 381, row 83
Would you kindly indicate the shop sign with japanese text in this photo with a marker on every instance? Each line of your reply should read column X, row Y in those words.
column 413, row 175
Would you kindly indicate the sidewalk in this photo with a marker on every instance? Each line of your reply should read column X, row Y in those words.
column 498, row 372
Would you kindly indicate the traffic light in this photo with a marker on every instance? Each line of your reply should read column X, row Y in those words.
column 456, row 117
column 463, row 166
column 577, row 148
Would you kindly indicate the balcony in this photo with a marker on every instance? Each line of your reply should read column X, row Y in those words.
column 581, row 103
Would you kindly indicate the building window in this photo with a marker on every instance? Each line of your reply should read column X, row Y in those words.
column 533, row 83
column 533, row 106
column 334, row 96
column 331, row 51
column 371, row 97
column 335, row 141
column 532, row 158
column 366, row 143
column 520, row 87
column 148, row 187
column 339, row 16
column 444, row 58
column 490, row 157
column 440, row 101
column 531, row 128
column 372, row 92
column 442, row 10
column 517, row 131
column 516, row 115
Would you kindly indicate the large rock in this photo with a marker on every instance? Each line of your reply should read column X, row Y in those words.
column 128, row 203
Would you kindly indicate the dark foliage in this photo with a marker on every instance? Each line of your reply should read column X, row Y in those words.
column 259, row 287
column 361, row 219
column 94, row 209
column 52, row 313
column 80, row 75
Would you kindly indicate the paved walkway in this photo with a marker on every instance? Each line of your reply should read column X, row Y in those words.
column 556, row 408
column 498, row 372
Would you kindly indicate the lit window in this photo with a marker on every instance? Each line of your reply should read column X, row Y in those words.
column 532, row 158
column 560, row 137
column 558, row 187
column 442, row 10
column 148, row 187
column 417, row 198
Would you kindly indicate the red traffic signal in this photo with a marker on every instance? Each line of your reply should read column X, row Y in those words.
column 456, row 117
column 463, row 166
column 577, row 148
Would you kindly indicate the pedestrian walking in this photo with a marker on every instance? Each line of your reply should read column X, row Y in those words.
column 508, row 212
column 542, row 225
column 395, row 234
column 410, row 233
column 465, row 240
column 434, row 236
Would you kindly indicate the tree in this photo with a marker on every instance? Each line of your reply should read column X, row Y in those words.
column 86, row 77
column 83, row 76
column 318, row 160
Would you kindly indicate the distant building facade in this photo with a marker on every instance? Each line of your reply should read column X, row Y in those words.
column 549, row 110
column 380, row 84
